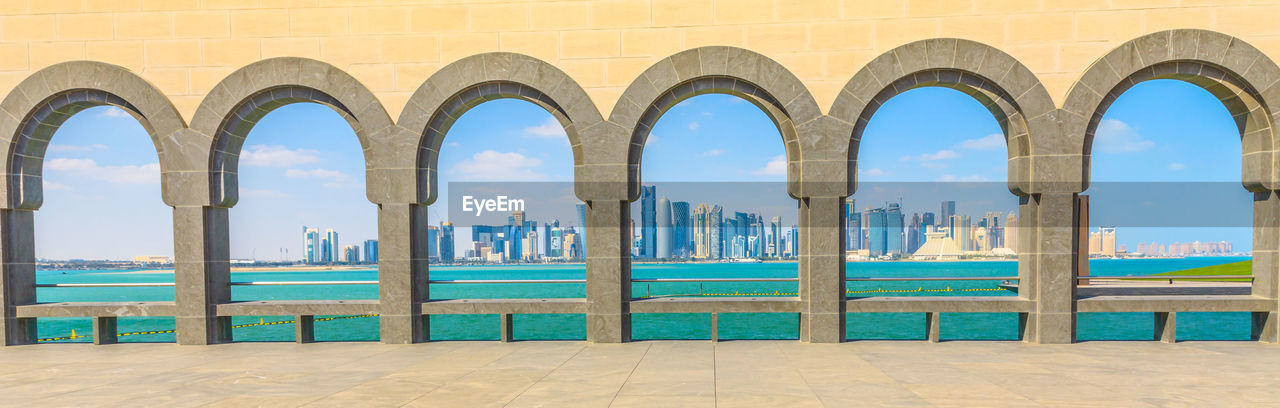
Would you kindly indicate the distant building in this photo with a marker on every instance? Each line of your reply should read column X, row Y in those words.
column 152, row 259
column 1011, row 231
column 332, row 248
column 948, row 209
column 371, row 251
column 680, row 237
column 351, row 254
column 663, row 231
column 648, row 221
column 582, row 229
column 938, row 246
column 311, row 245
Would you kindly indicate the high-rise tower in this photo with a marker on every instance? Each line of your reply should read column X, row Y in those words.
column 664, row 229
column 648, row 220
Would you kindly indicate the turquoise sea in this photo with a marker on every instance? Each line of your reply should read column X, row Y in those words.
column 861, row 326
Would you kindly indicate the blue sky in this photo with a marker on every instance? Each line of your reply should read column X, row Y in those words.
column 302, row 165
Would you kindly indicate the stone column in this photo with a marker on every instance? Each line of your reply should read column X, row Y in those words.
column 822, row 269
column 608, row 271
column 402, row 272
column 201, row 273
column 1052, row 287
column 1266, row 262
column 17, row 275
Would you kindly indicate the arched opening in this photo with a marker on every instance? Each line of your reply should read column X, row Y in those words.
column 301, row 216
column 932, row 214
column 714, row 218
column 506, row 211
column 1165, row 198
column 101, row 219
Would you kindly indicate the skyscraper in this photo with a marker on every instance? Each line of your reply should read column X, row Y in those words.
column 948, row 209
column 1011, row 231
column 877, row 235
column 852, row 227
column 775, row 237
column 926, row 223
column 310, row 245
column 664, row 229
column 333, row 248
column 371, row 248
column 433, row 241
column 648, row 221
column 581, row 230
column 715, row 220
column 446, row 243
column 893, row 229
column 351, row 254
column 701, row 246
column 913, row 234
column 680, row 229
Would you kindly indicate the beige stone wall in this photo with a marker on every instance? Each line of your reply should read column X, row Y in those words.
column 186, row 46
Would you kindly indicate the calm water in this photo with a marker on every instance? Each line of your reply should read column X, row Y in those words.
column 972, row 326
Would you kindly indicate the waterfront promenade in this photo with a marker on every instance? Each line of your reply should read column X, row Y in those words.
column 644, row 374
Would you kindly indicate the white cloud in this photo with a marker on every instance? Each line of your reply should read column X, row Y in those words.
column 989, row 142
column 549, row 128
column 248, row 193
column 315, row 173
column 114, row 112
column 713, row 152
column 452, row 144
column 49, row 185
column 651, row 139
column 1177, row 166
column 940, row 155
column 775, row 167
column 128, row 174
column 494, row 165
column 694, row 125
column 1113, row 136
column 277, row 156
column 75, row 148
column 874, row 171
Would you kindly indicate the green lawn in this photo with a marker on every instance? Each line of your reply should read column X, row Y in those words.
column 1234, row 268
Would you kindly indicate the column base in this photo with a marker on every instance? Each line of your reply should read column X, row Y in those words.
column 202, row 330
column 1265, row 328
column 1048, row 328
column 609, row 328
column 18, row 331
column 822, row 327
column 403, row 329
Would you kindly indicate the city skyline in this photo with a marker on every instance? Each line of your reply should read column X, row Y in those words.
column 301, row 163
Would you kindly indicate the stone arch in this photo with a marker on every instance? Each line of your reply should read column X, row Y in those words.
column 1010, row 91
column 1239, row 75
column 468, row 82
column 756, row 78
column 35, row 109
column 235, row 105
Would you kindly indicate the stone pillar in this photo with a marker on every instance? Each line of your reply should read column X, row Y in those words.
column 608, row 271
column 1052, row 284
column 201, row 273
column 104, row 330
column 1266, row 262
column 402, row 272
column 1166, row 327
column 1026, row 263
column 17, row 275
column 822, row 269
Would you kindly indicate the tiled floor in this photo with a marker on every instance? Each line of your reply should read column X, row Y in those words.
column 644, row 374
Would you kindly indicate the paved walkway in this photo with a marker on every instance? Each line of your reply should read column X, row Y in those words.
column 644, row 374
